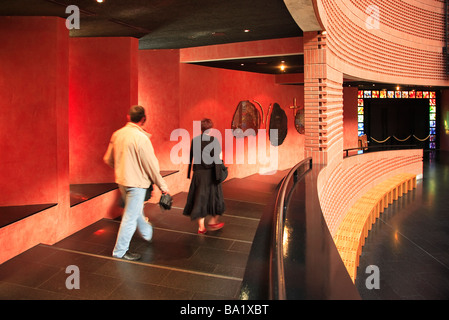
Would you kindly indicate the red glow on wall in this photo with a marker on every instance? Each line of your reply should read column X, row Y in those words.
column 99, row 232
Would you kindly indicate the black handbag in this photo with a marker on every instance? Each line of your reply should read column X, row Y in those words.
column 166, row 201
column 221, row 172
column 148, row 193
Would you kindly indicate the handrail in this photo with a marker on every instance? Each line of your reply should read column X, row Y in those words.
column 277, row 278
column 381, row 148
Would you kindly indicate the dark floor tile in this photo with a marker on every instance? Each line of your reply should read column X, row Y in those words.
column 130, row 290
column 221, row 257
column 410, row 243
column 203, row 284
column 31, row 274
column 9, row 291
column 135, row 272
column 92, row 286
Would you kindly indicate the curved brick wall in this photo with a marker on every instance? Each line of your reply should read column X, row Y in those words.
column 405, row 48
column 341, row 186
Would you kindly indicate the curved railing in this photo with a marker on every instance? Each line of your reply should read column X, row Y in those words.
column 277, row 277
column 355, row 151
column 293, row 255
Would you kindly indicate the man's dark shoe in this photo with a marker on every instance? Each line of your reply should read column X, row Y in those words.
column 131, row 256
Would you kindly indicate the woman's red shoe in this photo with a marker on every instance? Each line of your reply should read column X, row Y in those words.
column 216, row 226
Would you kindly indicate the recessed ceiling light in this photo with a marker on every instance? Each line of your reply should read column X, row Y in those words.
column 282, row 66
column 246, row 30
column 100, row 1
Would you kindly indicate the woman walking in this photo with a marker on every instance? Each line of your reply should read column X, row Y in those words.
column 205, row 197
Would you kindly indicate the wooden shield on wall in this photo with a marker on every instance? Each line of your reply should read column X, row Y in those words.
column 246, row 116
column 278, row 121
column 299, row 121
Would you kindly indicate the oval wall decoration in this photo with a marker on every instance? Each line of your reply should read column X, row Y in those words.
column 246, row 117
column 278, row 121
column 299, row 122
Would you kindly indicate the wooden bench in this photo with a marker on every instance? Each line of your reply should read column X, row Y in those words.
column 358, row 221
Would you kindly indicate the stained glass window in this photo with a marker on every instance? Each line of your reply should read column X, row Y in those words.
column 431, row 95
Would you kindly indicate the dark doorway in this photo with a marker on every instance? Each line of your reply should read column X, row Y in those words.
column 401, row 121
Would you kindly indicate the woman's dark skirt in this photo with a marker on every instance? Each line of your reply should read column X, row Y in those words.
column 205, row 196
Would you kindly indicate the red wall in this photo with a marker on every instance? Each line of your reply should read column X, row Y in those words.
column 33, row 83
column 103, row 86
column 159, row 89
column 215, row 94
column 34, row 161
column 177, row 94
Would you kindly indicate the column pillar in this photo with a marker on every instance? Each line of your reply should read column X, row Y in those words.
column 323, row 101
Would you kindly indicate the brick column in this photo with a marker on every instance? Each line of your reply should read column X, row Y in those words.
column 323, row 102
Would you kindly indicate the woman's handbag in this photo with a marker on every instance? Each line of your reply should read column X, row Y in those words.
column 166, row 201
column 221, row 172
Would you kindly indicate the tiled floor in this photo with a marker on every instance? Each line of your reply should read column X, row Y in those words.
column 410, row 241
column 409, row 244
column 177, row 264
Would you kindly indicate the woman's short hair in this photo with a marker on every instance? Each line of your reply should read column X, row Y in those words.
column 206, row 124
column 136, row 113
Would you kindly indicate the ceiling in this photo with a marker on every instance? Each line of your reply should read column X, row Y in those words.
column 173, row 24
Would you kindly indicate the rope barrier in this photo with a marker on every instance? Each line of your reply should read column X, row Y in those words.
column 422, row 140
column 380, row 141
column 401, row 140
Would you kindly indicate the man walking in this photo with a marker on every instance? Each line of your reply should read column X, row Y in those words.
column 131, row 155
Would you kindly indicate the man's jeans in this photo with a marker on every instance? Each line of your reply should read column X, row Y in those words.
column 132, row 218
